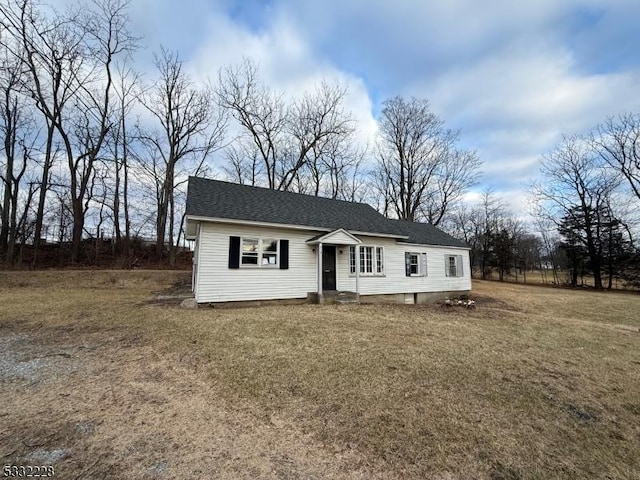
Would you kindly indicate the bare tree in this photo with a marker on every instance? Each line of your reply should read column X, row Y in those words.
column 465, row 223
column 548, row 231
column 576, row 188
column 260, row 112
column 454, row 177
column 104, row 25
column 419, row 168
column 69, row 60
column 493, row 211
column 528, row 253
column 120, row 146
column 190, row 129
column 244, row 165
column 48, row 48
column 617, row 142
column 287, row 139
column 19, row 134
column 318, row 127
column 10, row 112
column 343, row 162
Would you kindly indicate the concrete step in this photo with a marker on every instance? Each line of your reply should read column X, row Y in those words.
column 340, row 297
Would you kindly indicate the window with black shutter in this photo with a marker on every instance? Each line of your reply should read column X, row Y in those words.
column 284, row 254
column 234, row 252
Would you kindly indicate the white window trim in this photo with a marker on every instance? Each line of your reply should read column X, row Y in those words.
column 420, row 273
column 374, row 262
column 260, row 252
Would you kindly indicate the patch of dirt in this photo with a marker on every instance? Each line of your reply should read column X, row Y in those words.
column 491, row 302
column 111, row 404
column 181, row 286
column 174, row 294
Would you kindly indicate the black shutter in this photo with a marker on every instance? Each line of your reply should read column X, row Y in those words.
column 407, row 263
column 234, row 252
column 284, row 254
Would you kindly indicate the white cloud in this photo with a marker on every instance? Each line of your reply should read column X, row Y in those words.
column 286, row 61
column 513, row 76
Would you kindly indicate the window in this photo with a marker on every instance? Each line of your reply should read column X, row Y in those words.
column 259, row 252
column 250, row 251
column 453, row 265
column 269, row 252
column 453, row 271
column 415, row 264
column 352, row 260
column 371, row 260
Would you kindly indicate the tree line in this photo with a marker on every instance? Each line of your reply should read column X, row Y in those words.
column 590, row 192
column 91, row 147
column 584, row 216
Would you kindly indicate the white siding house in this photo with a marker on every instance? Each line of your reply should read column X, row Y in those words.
column 258, row 244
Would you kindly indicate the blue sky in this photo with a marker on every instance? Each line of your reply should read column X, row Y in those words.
column 513, row 76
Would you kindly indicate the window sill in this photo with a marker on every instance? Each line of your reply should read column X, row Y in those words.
column 259, row 267
column 353, row 275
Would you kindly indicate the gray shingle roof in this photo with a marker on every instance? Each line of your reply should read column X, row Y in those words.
column 217, row 199
column 213, row 198
column 425, row 233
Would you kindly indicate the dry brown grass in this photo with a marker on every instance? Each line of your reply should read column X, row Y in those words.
column 534, row 383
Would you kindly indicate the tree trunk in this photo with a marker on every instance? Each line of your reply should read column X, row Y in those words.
column 116, row 202
column 125, row 184
column 6, row 203
column 172, row 247
column 43, row 193
column 597, row 277
column 78, row 228
column 13, row 226
column 161, row 225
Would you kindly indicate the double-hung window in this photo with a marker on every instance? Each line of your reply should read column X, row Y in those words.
column 415, row 264
column 453, row 265
column 259, row 252
column 371, row 260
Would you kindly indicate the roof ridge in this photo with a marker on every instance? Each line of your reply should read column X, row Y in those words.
column 286, row 192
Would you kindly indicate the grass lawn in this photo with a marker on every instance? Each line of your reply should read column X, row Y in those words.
column 534, row 383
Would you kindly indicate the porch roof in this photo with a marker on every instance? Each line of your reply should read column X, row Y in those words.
column 336, row 237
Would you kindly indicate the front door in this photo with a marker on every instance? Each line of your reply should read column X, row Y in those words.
column 328, row 267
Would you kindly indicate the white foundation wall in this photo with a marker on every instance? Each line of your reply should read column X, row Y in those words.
column 216, row 282
column 394, row 279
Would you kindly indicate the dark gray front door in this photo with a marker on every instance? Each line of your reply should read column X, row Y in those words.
column 328, row 267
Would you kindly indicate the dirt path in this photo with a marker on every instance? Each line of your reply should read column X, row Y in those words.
column 111, row 404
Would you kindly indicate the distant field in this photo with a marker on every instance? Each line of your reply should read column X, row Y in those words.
column 545, row 277
column 101, row 382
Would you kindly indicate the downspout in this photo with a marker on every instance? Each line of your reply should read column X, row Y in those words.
column 358, row 272
column 320, row 296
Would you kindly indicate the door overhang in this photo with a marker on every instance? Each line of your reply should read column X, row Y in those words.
column 336, row 237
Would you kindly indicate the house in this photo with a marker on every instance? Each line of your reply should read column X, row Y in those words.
column 254, row 243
